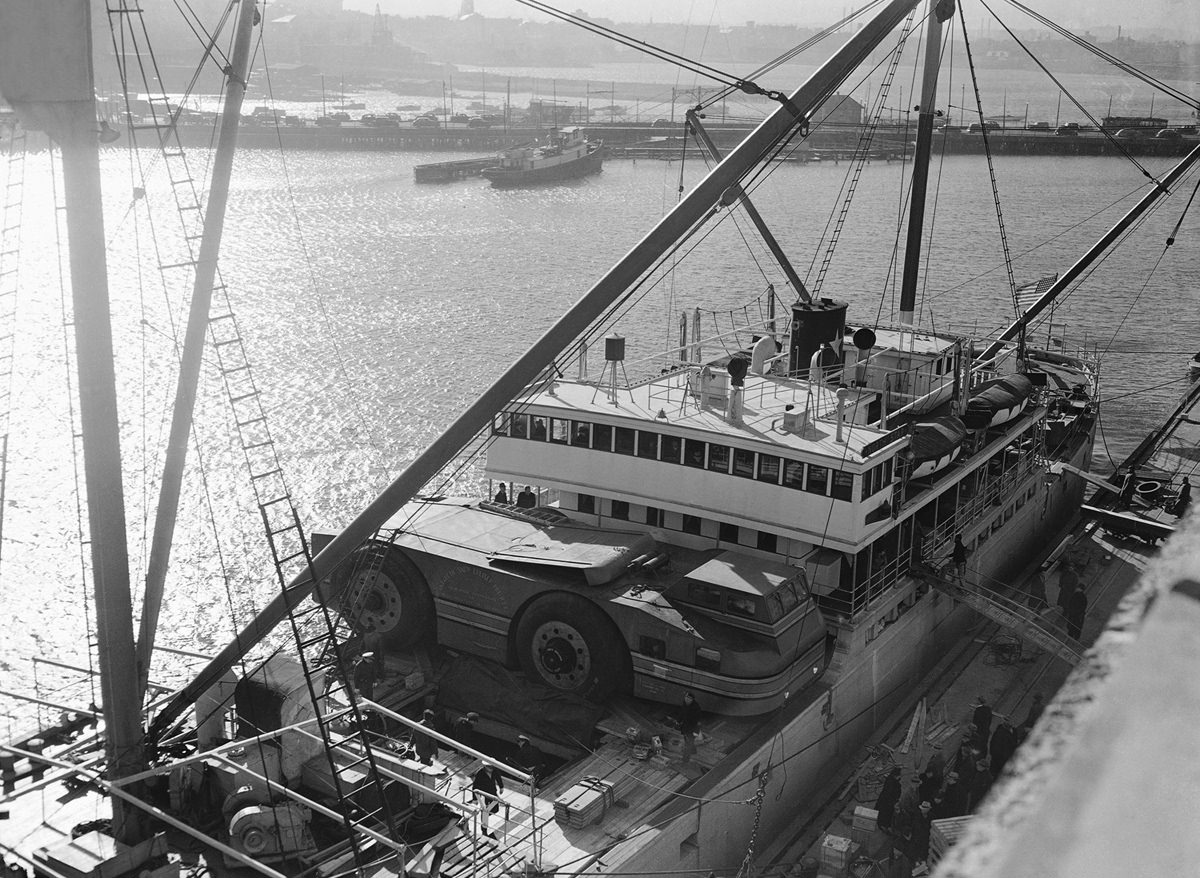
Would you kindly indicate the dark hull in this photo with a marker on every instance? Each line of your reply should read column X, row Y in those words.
column 506, row 178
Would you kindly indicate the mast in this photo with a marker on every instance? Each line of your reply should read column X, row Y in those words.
column 1084, row 262
column 694, row 207
column 941, row 12
column 736, row 191
column 193, row 344
column 46, row 75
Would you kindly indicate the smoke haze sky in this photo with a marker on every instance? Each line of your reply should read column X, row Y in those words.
column 1171, row 19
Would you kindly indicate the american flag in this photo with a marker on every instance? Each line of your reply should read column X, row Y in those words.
column 1029, row 293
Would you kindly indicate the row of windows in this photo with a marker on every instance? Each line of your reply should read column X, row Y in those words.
column 696, row 453
column 688, row 524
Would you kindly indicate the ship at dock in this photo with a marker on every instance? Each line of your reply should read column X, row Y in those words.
column 567, row 155
column 628, row 611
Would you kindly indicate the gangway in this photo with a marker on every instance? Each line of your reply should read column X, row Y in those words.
column 1013, row 615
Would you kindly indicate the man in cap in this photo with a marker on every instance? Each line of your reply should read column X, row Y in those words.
column 464, row 729
column 426, row 745
column 529, row 758
column 366, row 672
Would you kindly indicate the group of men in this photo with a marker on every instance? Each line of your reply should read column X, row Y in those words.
column 907, row 812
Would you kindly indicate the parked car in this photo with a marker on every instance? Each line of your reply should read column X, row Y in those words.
column 976, row 127
column 426, row 122
column 1130, row 134
column 1067, row 131
column 341, row 117
column 477, row 122
column 1169, row 134
column 460, row 118
column 325, row 121
column 661, row 123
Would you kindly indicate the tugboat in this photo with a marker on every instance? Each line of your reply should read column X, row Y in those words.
column 567, row 155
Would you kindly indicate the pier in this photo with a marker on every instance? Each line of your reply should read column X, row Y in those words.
column 445, row 172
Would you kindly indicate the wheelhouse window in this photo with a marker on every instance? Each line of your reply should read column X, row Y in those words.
column 718, row 458
column 818, row 479
column 728, row 533
column 793, row 473
column 519, row 428
column 768, row 468
column 620, row 509
column 671, row 449
column 782, row 601
column 743, row 463
column 654, row 516
column 539, row 428
column 559, row 430
column 691, row 524
column 602, row 437
column 624, row 440
column 501, row 423
column 843, row 485
column 586, row 503
column 693, row 453
column 647, row 444
column 581, row 433
column 767, row 541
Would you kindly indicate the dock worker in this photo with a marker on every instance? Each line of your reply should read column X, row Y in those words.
column 1129, row 486
column 958, row 559
column 426, row 745
column 526, row 499
column 1183, row 499
column 501, row 495
column 689, row 724
column 982, row 719
column 529, row 758
column 889, row 798
column 366, row 672
column 1075, row 612
column 464, row 729
column 486, row 787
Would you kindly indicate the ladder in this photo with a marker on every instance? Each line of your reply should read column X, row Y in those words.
column 10, row 256
column 1013, row 615
column 319, row 632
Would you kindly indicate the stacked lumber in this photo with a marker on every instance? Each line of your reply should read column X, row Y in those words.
column 943, row 834
column 585, row 802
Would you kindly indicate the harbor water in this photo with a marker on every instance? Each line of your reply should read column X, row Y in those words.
column 373, row 309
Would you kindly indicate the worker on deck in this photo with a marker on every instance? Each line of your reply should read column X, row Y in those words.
column 426, row 745
column 501, row 495
column 689, row 724
column 366, row 672
column 529, row 758
column 486, row 787
column 526, row 499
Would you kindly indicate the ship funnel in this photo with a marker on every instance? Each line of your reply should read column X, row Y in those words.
column 813, row 324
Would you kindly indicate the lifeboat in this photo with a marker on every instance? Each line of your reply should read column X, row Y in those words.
column 936, row 444
column 997, row 402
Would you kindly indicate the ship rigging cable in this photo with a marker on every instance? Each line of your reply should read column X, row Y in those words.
column 987, row 149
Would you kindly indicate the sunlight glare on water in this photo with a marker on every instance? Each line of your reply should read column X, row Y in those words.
column 374, row 310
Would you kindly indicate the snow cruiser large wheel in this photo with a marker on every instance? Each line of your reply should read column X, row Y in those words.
column 568, row 643
column 382, row 592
